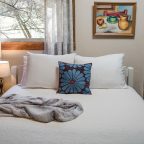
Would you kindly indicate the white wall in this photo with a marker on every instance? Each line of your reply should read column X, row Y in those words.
column 133, row 48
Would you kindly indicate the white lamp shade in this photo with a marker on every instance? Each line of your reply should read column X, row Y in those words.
column 4, row 69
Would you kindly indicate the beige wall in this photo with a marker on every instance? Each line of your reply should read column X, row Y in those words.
column 133, row 48
column 15, row 57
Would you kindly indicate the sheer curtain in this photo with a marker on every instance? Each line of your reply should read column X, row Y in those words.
column 58, row 27
column 0, row 51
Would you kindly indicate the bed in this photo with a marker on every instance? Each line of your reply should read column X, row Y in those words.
column 111, row 116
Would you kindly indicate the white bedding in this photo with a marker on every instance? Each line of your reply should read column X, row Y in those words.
column 111, row 116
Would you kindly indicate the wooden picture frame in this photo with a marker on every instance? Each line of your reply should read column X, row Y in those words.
column 114, row 19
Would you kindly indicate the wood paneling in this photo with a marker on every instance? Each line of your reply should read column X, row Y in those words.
column 22, row 45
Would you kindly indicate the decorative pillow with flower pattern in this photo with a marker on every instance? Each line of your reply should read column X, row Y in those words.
column 74, row 78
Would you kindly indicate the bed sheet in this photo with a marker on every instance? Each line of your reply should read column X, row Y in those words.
column 111, row 116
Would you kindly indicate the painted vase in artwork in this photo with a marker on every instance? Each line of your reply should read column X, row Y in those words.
column 123, row 22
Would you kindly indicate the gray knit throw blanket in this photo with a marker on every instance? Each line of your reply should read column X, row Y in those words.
column 39, row 108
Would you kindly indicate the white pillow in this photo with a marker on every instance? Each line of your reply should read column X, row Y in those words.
column 42, row 70
column 107, row 71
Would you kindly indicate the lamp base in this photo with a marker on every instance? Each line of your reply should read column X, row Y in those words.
column 1, row 85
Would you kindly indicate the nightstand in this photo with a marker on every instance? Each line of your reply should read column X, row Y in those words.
column 1, row 86
column 1, row 94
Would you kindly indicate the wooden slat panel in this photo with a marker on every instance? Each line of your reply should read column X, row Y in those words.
column 22, row 45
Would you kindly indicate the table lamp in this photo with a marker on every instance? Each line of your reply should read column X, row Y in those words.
column 4, row 72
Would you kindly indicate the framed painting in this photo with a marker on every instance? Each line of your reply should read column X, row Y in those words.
column 114, row 19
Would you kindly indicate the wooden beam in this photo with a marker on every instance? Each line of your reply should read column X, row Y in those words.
column 22, row 45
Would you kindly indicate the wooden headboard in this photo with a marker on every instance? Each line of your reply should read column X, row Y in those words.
column 38, row 45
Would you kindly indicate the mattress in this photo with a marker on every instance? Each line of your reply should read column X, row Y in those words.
column 111, row 116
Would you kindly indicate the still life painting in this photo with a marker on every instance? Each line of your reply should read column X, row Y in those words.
column 114, row 19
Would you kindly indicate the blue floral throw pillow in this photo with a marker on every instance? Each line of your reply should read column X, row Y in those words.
column 74, row 78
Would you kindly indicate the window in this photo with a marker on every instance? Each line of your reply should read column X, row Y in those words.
column 21, row 19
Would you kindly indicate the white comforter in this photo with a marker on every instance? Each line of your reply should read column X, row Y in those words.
column 111, row 116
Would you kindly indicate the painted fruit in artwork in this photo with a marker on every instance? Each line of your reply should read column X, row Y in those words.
column 100, row 21
column 123, row 22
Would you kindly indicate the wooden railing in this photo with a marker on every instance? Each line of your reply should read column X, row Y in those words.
column 22, row 45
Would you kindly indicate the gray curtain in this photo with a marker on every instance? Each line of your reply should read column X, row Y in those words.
column 58, row 27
